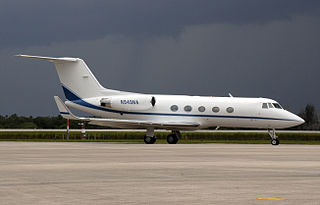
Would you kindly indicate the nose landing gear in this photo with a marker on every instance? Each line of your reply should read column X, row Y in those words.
column 274, row 137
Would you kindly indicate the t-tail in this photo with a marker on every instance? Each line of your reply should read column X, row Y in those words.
column 76, row 78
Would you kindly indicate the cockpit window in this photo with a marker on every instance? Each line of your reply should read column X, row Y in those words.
column 276, row 105
column 265, row 105
column 270, row 105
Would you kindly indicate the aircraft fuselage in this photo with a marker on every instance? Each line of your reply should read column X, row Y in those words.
column 207, row 111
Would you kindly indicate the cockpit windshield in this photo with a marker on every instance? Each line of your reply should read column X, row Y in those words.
column 271, row 105
column 277, row 105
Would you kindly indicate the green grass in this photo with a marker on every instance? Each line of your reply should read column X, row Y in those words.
column 187, row 137
column 163, row 141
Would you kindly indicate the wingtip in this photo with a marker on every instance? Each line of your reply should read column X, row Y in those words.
column 22, row 55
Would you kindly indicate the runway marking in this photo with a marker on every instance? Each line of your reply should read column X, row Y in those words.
column 274, row 199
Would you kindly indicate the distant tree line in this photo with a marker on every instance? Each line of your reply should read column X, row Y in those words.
column 309, row 114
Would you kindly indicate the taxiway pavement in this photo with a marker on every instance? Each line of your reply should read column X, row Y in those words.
column 106, row 173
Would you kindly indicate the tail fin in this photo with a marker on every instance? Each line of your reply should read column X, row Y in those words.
column 76, row 78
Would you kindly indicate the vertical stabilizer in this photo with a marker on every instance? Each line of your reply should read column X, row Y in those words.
column 76, row 78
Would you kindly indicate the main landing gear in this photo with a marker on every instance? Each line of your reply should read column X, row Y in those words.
column 150, row 138
column 274, row 137
column 172, row 138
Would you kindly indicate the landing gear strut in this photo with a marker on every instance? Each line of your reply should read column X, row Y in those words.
column 150, row 138
column 274, row 137
column 173, row 138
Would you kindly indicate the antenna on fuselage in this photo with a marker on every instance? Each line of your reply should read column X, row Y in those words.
column 230, row 95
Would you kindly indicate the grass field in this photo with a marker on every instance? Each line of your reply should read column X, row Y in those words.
column 187, row 137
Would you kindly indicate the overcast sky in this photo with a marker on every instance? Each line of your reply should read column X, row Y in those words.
column 250, row 48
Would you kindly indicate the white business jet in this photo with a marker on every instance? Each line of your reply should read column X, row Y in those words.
column 121, row 109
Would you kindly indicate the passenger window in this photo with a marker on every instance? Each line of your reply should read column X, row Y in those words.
column 265, row 105
column 174, row 108
column 187, row 108
column 215, row 109
column 201, row 109
column 230, row 110
column 270, row 105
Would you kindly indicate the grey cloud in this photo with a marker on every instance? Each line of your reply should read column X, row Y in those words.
column 250, row 48
column 279, row 60
column 37, row 22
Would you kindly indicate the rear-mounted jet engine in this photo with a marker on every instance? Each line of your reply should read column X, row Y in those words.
column 129, row 102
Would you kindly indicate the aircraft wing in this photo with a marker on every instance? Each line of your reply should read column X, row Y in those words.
column 122, row 123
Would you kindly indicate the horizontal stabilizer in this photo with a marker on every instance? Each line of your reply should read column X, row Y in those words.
column 67, row 59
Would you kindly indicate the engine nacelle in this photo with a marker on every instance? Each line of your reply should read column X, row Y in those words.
column 129, row 102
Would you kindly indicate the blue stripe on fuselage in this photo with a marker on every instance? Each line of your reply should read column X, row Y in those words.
column 77, row 100
column 64, row 113
column 70, row 95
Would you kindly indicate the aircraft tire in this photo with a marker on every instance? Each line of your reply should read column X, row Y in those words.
column 172, row 139
column 149, row 140
column 275, row 142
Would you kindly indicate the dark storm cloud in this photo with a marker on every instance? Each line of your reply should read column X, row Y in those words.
column 254, row 48
column 38, row 22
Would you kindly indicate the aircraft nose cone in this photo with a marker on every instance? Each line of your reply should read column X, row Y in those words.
column 299, row 120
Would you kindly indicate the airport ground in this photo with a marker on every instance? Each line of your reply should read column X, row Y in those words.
column 115, row 173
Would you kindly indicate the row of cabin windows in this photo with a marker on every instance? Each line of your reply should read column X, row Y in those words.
column 188, row 108
column 271, row 105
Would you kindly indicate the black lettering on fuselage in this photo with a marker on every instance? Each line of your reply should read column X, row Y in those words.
column 131, row 102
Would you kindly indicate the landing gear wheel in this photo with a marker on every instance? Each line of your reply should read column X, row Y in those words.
column 149, row 140
column 172, row 139
column 274, row 137
column 275, row 142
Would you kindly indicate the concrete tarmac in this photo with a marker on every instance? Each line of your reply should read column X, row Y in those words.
column 105, row 173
